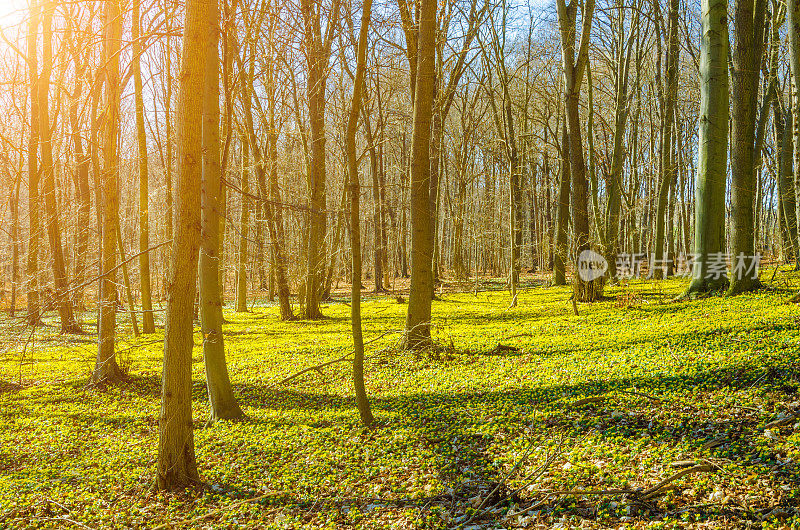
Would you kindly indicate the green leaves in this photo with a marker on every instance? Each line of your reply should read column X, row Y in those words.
column 655, row 382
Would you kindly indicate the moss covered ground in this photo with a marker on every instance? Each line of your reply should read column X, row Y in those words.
column 569, row 428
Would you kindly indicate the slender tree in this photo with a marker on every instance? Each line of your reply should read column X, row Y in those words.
column 148, row 324
column 106, row 370
column 220, row 392
column 355, row 222
column 32, row 266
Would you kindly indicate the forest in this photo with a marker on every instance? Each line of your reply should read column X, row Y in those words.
column 417, row 264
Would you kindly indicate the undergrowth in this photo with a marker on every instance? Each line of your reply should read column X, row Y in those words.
column 525, row 436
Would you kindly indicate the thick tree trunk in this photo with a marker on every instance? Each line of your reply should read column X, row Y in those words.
column 177, row 467
column 709, row 272
column 793, row 20
column 747, row 57
column 418, row 330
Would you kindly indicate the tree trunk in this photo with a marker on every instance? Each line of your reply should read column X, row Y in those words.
column 177, row 467
column 561, row 249
column 418, row 330
column 355, row 231
column 709, row 274
column 244, row 225
column 67, row 316
column 32, row 268
column 793, row 20
column 106, row 370
column 574, row 67
column 747, row 57
column 83, row 160
column 218, row 383
column 376, row 204
column 148, row 324
column 317, row 53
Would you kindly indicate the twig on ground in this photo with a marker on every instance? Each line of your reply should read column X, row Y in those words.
column 319, row 367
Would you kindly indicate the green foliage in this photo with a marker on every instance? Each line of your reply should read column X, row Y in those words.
column 672, row 377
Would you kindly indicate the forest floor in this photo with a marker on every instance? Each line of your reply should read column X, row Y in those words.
column 582, row 423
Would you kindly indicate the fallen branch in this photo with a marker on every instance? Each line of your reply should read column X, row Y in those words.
column 781, row 421
column 501, row 348
column 637, row 494
column 319, row 367
column 700, row 468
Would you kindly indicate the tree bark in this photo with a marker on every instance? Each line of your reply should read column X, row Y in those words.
column 32, row 266
column 747, row 57
column 709, row 239
column 574, row 67
column 148, row 324
column 177, row 466
column 561, row 249
column 355, row 230
column 218, row 383
column 418, row 317
column 106, row 370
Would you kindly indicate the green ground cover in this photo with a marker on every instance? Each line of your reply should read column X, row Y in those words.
column 607, row 400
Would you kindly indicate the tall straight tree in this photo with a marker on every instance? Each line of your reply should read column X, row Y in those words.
column 177, row 466
column 668, row 157
column 318, row 50
column 244, row 225
column 148, row 324
column 621, row 111
column 277, row 234
column 82, row 164
column 574, row 68
column 748, row 46
column 418, row 317
column 712, row 157
column 793, row 19
column 355, row 222
column 106, row 369
column 220, row 393
column 66, row 313
column 561, row 239
column 32, row 266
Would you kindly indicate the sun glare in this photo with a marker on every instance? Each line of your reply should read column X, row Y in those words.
column 12, row 12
